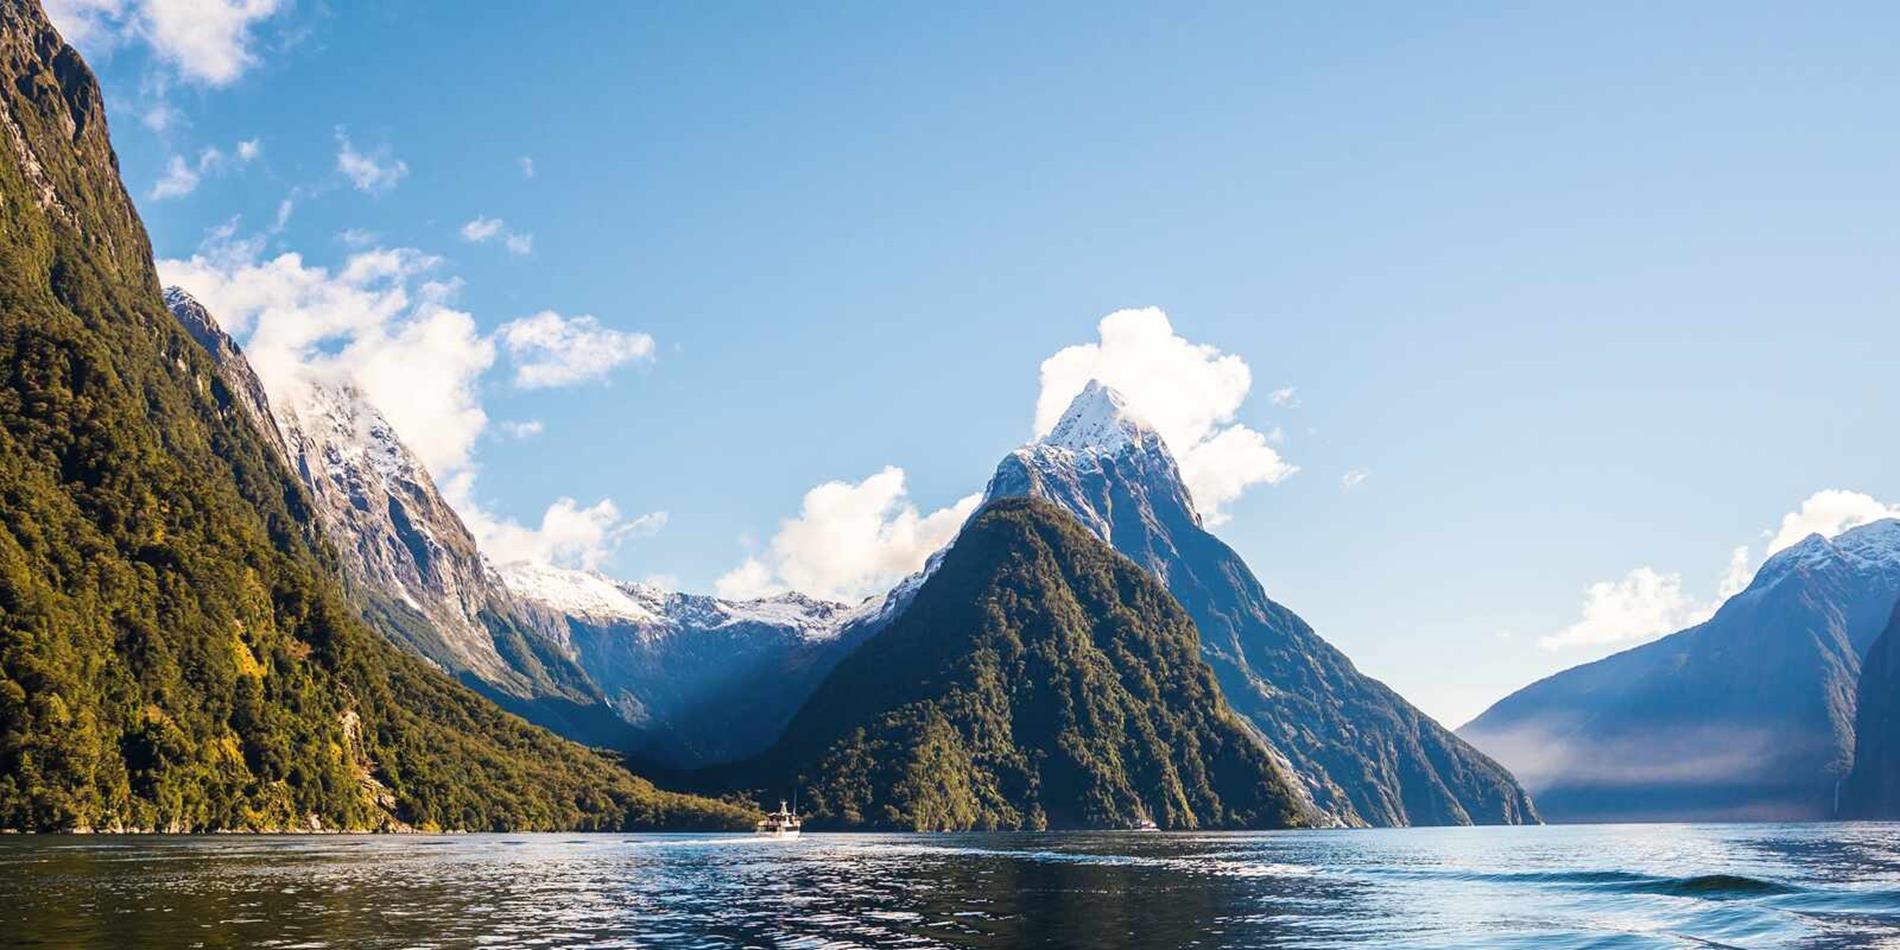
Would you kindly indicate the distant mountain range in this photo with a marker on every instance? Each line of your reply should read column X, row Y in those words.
column 695, row 681
column 1747, row 716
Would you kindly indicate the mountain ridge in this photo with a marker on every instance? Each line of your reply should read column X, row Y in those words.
column 1039, row 679
column 176, row 652
column 1748, row 715
column 1366, row 755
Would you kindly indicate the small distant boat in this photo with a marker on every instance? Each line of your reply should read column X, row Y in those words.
column 779, row 824
column 1146, row 824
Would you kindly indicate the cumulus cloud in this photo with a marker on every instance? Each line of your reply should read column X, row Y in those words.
column 366, row 322
column 568, row 535
column 211, row 42
column 384, row 320
column 1642, row 605
column 1646, row 603
column 1189, row 392
column 1828, row 513
column 550, row 350
column 1284, row 397
column 522, row 430
column 1354, row 478
column 848, row 541
column 372, row 172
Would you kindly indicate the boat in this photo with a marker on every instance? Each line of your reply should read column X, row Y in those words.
column 779, row 824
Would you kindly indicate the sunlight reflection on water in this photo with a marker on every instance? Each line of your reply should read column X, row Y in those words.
column 1632, row 885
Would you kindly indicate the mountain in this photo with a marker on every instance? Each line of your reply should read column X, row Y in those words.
column 1038, row 679
column 1366, row 755
column 1872, row 788
column 701, row 680
column 176, row 650
column 1747, row 716
column 410, row 562
column 676, row 680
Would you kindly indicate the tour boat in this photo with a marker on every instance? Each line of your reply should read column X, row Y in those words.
column 779, row 824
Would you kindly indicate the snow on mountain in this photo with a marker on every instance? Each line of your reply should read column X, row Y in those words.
column 1365, row 754
column 1749, row 715
column 407, row 554
column 588, row 594
column 1099, row 421
column 656, row 612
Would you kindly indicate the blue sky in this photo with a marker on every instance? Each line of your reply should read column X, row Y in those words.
column 1574, row 296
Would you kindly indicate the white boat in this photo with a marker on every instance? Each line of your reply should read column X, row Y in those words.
column 779, row 824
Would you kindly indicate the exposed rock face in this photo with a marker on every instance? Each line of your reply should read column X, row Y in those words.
column 1872, row 789
column 410, row 560
column 1366, row 755
column 176, row 649
column 1747, row 716
column 1039, row 679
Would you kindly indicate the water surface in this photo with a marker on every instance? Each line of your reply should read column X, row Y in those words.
column 1812, row 885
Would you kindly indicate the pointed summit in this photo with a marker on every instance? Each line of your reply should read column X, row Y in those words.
column 1099, row 420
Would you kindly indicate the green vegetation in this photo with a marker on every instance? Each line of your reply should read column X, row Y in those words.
column 175, row 650
column 1038, row 680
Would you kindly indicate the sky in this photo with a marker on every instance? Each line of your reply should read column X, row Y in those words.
column 1495, row 338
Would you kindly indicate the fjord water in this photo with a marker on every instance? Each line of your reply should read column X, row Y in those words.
column 1627, row 885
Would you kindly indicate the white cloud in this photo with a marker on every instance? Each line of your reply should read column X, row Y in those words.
column 181, row 178
column 1355, row 478
column 385, row 321
column 413, row 356
column 1741, row 569
column 481, row 229
column 522, row 430
column 205, row 41
column 1189, row 392
column 1647, row 603
column 550, row 350
column 1284, row 397
column 86, row 22
column 160, row 116
column 849, row 541
column 370, row 172
column 527, row 166
column 1828, row 513
column 568, row 536
column 1643, row 605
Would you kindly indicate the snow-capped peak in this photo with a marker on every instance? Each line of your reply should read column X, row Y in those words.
column 1874, row 543
column 1098, row 420
column 176, row 296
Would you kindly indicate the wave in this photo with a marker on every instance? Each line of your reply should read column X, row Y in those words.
column 1719, row 886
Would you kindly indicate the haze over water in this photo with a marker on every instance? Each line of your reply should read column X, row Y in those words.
column 1632, row 885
